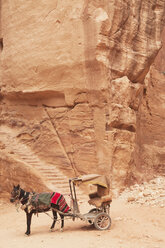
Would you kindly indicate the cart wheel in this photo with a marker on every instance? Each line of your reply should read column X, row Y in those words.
column 102, row 221
column 95, row 210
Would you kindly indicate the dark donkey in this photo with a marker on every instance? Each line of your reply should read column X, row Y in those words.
column 57, row 204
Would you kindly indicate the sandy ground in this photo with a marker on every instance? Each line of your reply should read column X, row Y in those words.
column 132, row 226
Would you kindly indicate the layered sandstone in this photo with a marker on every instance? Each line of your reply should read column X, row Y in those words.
column 151, row 116
column 72, row 84
column 13, row 172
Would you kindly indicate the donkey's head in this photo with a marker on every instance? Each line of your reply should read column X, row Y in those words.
column 15, row 193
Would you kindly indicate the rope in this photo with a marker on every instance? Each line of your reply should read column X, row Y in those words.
column 17, row 206
column 58, row 220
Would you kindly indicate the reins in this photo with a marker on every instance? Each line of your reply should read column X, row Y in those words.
column 19, row 200
column 58, row 220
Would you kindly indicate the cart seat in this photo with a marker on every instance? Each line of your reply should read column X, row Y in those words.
column 99, row 201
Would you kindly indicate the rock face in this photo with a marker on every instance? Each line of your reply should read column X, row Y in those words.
column 74, row 87
column 150, row 125
column 13, row 172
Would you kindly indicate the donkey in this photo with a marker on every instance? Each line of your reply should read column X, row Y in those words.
column 57, row 204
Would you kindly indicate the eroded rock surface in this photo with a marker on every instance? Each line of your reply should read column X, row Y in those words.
column 74, row 88
column 12, row 171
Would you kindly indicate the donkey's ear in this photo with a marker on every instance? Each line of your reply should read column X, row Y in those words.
column 18, row 186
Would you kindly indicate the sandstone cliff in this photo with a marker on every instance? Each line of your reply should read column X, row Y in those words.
column 76, row 85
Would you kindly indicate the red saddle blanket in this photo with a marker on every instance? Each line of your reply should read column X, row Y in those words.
column 58, row 199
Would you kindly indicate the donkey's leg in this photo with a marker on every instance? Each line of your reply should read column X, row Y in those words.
column 28, row 219
column 62, row 222
column 54, row 221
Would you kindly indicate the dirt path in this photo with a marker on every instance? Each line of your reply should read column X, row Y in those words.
column 133, row 226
